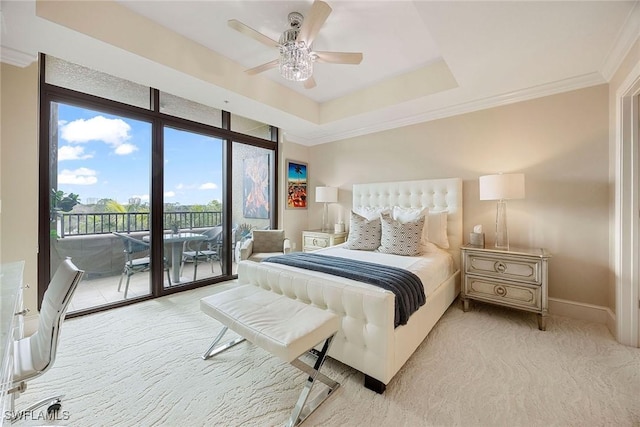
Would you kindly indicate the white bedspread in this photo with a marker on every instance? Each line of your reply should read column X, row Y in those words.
column 432, row 268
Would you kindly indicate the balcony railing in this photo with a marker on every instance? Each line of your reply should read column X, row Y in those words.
column 79, row 224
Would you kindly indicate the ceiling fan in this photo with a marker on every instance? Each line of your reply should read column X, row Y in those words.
column 296, row 54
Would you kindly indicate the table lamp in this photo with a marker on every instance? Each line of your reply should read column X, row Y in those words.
column 326, row 195
column 502, row 187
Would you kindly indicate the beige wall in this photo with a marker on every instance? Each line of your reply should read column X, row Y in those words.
column 559, row 142
column 19, row 171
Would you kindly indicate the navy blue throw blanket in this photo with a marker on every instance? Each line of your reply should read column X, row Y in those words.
column 406, row 286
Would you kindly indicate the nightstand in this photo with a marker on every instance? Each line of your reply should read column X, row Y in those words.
column 515, row 277
column 317, row 239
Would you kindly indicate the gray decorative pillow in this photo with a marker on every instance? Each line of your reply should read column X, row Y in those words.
column 364, row 234
column 400, row 238
column 268, row 240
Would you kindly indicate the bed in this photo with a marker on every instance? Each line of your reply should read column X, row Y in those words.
column 367, row 339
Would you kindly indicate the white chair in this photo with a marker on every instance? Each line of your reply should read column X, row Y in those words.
column 263, row 244
column 34, row 355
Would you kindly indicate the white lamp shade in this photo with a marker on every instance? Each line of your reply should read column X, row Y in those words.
column 326, row 194
column 502, row 186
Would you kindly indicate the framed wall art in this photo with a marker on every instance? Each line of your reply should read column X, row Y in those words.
column 255, row 194
column 297, row 182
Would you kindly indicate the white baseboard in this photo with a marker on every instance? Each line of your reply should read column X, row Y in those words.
column 582, row 311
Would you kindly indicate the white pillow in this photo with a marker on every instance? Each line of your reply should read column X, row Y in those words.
column 370, row 212
column 401, row 238
column 437, row 229
column 411, row 214
column 364, row 234
column 435, row 226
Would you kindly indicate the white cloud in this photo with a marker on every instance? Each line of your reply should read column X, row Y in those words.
column 208, row 186
column 67, row 152
column 170, row 194
column 114, row 132
column 125, row 149
column 80, row 176
column 179, row 186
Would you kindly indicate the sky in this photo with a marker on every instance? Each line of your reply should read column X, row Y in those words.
column 105, row 156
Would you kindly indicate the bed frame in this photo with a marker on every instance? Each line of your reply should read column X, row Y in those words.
column 367, row 339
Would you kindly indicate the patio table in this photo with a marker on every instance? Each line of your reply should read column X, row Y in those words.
column 176, row 240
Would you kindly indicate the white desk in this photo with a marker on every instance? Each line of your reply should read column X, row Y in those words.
column 176, row 240
column 10, row 326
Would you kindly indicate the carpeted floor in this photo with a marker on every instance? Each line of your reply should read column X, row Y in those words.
column 141, row 366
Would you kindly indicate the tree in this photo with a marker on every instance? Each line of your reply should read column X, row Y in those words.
column 215, row 206
column 63, row 202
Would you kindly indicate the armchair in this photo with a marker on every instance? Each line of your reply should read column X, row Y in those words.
column 263, row 244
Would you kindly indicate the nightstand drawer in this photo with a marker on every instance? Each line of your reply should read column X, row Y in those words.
column 316, row 242
column 312, row 240
column 508, row 268
column 510, row 294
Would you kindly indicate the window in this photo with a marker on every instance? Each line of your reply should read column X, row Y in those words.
column 147, row 201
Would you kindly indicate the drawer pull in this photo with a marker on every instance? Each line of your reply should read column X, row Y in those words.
column 500, row 267
column 500, row 291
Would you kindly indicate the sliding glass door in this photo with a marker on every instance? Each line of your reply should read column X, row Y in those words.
column 252, row 208
column 149, row 193
column 99, row 202
column 192, row 202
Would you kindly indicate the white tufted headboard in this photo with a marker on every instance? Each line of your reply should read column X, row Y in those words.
column 436, row 194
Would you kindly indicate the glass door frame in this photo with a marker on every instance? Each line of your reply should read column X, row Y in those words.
column 51, row 93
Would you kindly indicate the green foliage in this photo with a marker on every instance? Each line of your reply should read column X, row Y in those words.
column 243, row 231
column 113, row 206
column 215, row 206
column 63, row 202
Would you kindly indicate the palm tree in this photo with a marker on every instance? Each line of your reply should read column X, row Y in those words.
column 298, row 169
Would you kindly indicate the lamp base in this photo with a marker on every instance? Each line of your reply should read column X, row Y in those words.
column 325, row 218
column 502, row 235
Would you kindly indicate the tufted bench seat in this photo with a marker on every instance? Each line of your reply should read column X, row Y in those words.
column 282, row 326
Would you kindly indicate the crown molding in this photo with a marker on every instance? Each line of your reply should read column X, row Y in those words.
column 628, row 35
column 560, row 86
column 16, row 57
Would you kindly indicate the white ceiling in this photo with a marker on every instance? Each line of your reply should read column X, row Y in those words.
column 497, row 52
column 391, row 35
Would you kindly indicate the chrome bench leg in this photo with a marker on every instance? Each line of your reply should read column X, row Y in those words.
column 212, row 351
column 298, row 416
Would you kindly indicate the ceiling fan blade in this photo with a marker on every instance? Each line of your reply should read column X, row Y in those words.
column 248, row 31
column 310, row 83
column 263, row 67
column 339, row 57
column 313, row 21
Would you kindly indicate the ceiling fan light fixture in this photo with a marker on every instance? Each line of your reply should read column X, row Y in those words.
column 296, row 58
column 296, row 62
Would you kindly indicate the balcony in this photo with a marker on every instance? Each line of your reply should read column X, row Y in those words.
column 88, row 240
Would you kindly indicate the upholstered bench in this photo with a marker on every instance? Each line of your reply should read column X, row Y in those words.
column 282, row 326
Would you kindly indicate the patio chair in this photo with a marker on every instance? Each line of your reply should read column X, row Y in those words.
column 197, row 251
column 132, row 265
